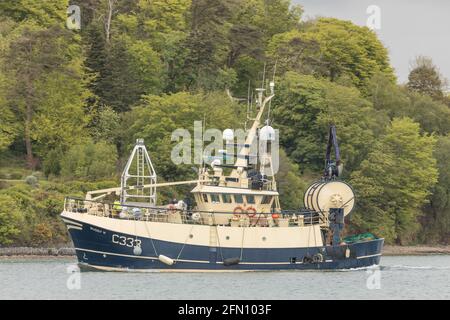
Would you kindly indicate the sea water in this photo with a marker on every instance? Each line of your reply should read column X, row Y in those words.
column 398, row 277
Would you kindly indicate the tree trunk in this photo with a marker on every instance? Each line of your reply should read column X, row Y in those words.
column 31, row 163
column 108, row 20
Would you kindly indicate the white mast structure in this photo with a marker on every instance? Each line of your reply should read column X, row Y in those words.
column 244, row 152
column 141, row 189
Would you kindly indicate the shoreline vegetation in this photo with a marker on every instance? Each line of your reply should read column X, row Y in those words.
column 72, row 107
column 388, row 250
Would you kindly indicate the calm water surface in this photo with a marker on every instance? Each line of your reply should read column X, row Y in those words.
column 400, row 277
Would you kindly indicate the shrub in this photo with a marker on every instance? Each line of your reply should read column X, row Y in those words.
column 89, row 161
column 10, row 219
column 42, row 234
column 31, row 180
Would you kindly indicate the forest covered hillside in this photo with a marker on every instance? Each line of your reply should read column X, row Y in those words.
column 73, row 102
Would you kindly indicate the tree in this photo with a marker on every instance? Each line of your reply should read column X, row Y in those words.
column 254, row 23
column 388, row 97
column 304, row 109
column 207, row 43
column 10, row 219
column 275, row 16
column 44, row 12
column 8, row 125
column 8, row 130
column 133, row 69
column 433, row 116
column 163, row 24
column 334, row 49
column 425, row 78
column 394, row 181
column 97, row 62
column 291, row 186
column 296, row 51
column 91, row 161
column 46, row 90
column 106, row 125
column 396, row 101
column 158, row 116
column 436, row 218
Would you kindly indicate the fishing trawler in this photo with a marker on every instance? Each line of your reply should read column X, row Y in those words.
column 236, row 224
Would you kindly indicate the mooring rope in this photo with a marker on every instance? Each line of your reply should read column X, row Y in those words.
column 185, row 241
column 151, row 238
column 217, row 235
column 242, row 243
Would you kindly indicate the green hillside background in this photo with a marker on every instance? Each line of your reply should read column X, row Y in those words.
column 72, row 103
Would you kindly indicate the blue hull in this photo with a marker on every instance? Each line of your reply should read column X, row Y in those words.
column 94, row 248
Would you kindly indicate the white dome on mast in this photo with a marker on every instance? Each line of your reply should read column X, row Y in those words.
column 267, row 133
column 228, row 135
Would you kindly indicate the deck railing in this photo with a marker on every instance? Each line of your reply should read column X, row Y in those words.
column 302, row 217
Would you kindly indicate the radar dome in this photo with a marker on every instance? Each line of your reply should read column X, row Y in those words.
column 267, row 133
column 228, row 134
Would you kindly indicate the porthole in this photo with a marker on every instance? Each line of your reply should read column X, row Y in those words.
column 264, row 238
column 191, row 236
column 227, row 237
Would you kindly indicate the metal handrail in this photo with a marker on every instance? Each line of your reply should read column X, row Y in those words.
column 160, row 214
column 302, row 211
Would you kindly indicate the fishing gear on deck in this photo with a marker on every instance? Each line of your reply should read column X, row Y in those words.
column 333, row 168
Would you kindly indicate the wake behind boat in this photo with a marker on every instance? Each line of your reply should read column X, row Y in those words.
column 236, row 224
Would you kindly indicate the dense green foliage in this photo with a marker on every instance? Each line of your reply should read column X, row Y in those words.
column 425, row 78
column 394, row 181
column 89, row 160
column 72, row 103
column 436, row 217
column 29, row 214
column 156, row 117
column 333, row 49
column 306, row 106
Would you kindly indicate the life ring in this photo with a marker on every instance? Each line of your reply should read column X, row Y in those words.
column 251, row 209
column 318, row 257
column 196, row 216
column 275, row 215
column 237, row 212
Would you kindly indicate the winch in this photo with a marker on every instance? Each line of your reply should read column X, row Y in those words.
column 329, row 196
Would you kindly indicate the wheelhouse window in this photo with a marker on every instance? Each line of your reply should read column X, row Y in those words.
column 215, row 198
column 251, row 199
column 226, row 198
column 238, row 198
column 205, row 197
column 266, row 199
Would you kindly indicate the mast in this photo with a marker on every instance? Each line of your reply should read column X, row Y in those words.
column 241, row 162
column 142, row 178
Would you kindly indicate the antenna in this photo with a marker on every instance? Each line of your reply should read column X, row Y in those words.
column 248, row 105
column 264, row 75
column 274, row 70
column 203, row 132
column 272, row 91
